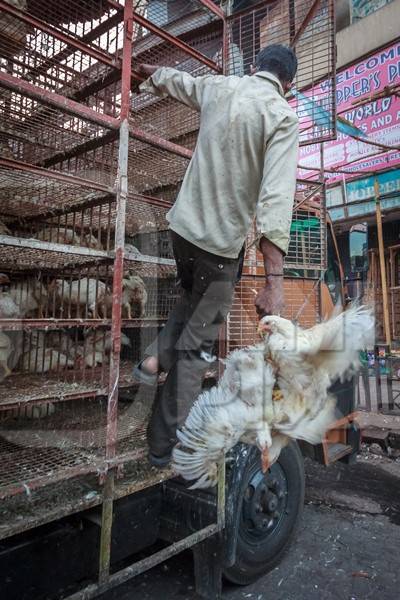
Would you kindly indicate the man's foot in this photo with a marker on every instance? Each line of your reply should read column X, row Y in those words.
column 161, row 462
column 146, row 371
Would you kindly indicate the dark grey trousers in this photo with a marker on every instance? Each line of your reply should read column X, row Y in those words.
column 185, row 345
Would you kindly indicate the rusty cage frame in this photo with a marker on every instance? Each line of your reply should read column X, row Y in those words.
column 87, row 166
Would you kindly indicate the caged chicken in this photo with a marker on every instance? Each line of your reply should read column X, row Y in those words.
column 98, row 346
column 80, row 294
column 6, row 349
column 66, row 235
column 8, row 307
column 272, row 392
column 134, row 296
column 30, row 296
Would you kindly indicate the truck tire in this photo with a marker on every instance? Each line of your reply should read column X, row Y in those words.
column 270, row 506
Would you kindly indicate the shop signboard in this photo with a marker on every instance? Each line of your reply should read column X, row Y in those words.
column 378, row 120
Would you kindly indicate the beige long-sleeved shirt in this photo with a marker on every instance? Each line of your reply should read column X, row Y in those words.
column 244, row 164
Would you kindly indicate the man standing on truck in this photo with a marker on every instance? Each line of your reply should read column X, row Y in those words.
column 244, row 165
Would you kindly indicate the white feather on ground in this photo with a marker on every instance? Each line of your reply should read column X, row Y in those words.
column 243, row 407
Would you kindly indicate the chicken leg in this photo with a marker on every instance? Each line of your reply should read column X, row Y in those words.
column 265, row 462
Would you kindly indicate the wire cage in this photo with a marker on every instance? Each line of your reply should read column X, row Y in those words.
column 306, row 256
column 89, row 168
column 304, row 266
column 301, row 302
column 62, row 95
column 309, row 28
column 48, row 442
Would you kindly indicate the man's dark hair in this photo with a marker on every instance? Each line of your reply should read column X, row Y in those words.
column 279, row 60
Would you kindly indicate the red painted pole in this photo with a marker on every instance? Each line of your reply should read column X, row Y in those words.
column 122, row 193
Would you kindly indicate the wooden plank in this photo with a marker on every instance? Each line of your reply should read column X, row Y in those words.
column 386, row 322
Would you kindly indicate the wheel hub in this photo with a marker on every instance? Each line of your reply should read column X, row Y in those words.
column 264, row 501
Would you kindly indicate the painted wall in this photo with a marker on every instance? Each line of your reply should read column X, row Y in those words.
column 365, row 35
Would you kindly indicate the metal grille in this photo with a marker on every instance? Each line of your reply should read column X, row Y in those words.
column 22, row 391
column 61, row 102
column 63, row 53
column 67, row 497
column 166, row 117
column 151, row 168
column 28, row 192
column 306, row 254
column 301, row 300
column 19, row 390
column 70, row 441
column 308, row 27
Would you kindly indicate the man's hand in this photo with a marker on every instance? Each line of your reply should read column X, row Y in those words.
column 146, row 70
column 270, row 299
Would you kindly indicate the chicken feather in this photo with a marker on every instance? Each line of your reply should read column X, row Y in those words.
column 244, row 406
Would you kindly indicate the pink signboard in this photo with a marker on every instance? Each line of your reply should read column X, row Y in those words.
column 379, row 119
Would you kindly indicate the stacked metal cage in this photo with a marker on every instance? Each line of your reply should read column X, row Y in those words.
column 88, row 169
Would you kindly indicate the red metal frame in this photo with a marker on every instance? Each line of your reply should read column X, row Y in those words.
column 308, row 18
column 159, row 142
column 95, row 53
column 213, row 8
column 112, row 403
column 89, row 37
column 57, row 101
column 162, row 33
column 16, row 165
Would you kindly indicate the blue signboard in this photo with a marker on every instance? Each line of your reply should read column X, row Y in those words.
column 363, row 189
column 360, row 196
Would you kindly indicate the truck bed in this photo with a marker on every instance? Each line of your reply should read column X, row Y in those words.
column 22, row 512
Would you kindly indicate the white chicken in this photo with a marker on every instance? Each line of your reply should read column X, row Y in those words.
column 8, row 307
column 66, row 235
column 6, row 349
column 80, row 293
column 60, row 235
column 17, row 339
column 43, row 360
column 39, row 411
column 91, row 241
column 131, row 249
column 272, row 392
column 98, row 345
column 30, row 297
column 64, row 343
column 134, row 296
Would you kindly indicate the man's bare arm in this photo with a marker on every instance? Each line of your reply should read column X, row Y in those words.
column 270, row 299
column 274, row 211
